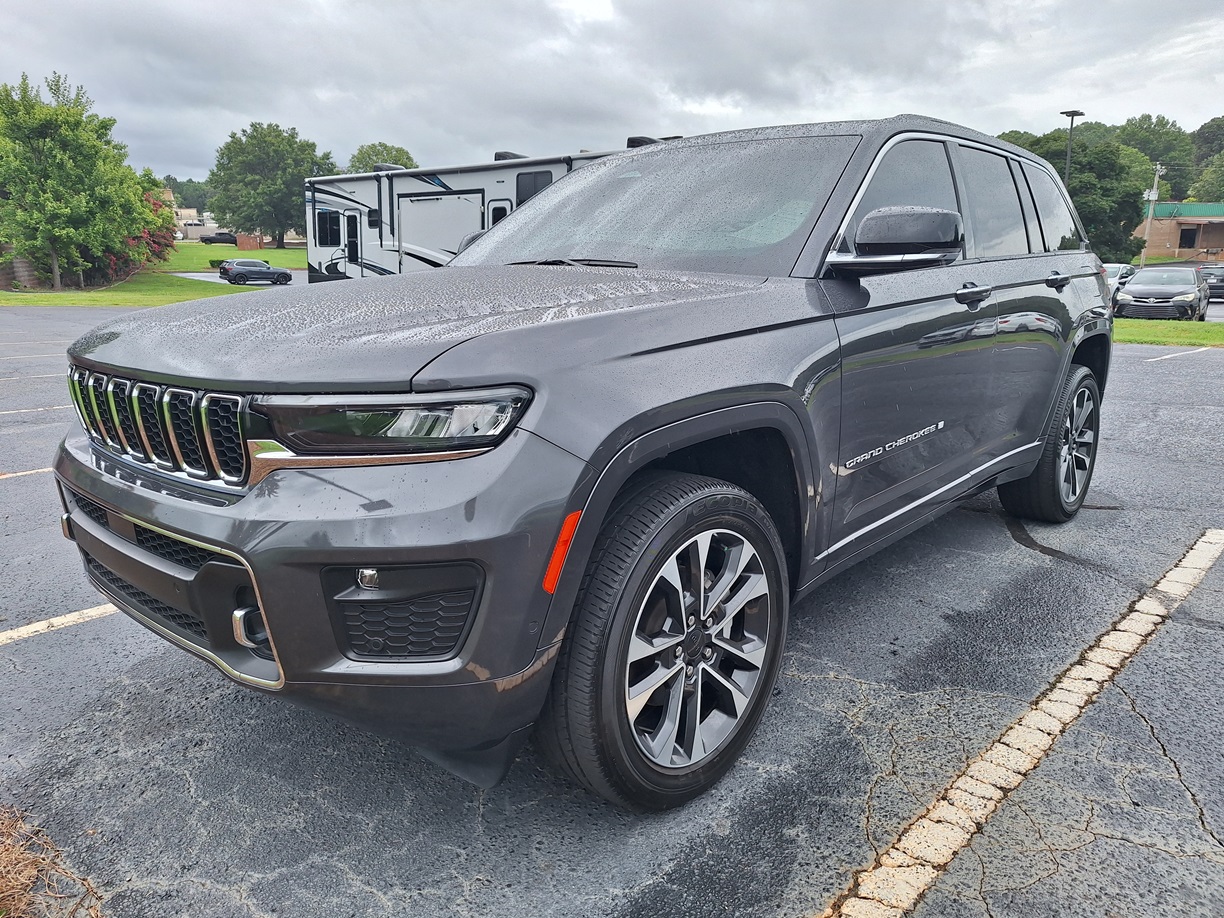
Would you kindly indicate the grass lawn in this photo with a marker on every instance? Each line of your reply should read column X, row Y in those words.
column 1169, row 331
column 194, row 256
column 148, row 288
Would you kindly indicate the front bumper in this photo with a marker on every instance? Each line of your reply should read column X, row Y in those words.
column 1161, row 310
column 479, row 531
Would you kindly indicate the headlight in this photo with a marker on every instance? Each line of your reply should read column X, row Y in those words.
column 366, row 424
column 1125, row 297
column 1185, row 298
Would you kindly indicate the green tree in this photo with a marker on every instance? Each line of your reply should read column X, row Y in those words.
column 257, row 181
column 1208, row 140
column 68, row 198
column 1163, row 141
column 1142, row 170
column 370, row 154
column 1105, row 185
column 188, row 192
column 1210, row 186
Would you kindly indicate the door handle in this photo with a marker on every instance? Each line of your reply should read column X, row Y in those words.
column 972, row 293
column 1058, row 281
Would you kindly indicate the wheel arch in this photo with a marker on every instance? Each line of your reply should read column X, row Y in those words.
column 742, row 444
column 1093, row 352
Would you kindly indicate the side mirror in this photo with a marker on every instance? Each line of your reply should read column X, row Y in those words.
column 469, row 239
column 900, row 238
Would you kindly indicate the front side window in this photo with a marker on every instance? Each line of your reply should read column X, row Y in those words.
column 993, row 205
column 913, row 173
column 1057, row 225
column 736, row 207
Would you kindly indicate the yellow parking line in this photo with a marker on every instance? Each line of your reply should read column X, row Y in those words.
column 900, row 874
column 51, row 624
column 4, row 475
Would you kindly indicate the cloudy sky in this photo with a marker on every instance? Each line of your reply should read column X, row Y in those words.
column 455, row 80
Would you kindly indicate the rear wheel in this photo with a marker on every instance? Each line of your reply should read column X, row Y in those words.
column 240, row 278
column 1056, row 489
column 675, row 644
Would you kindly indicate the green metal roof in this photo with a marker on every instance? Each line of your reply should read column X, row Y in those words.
column 1189, row 210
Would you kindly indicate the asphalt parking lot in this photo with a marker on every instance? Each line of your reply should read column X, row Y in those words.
column 180, row 793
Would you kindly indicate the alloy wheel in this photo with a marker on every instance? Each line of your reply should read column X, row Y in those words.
column 698, row 649
column 1078, row 446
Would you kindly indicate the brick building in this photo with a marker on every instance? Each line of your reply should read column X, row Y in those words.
column 1186, row 231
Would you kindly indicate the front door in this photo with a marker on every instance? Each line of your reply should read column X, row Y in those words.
column 916, row 366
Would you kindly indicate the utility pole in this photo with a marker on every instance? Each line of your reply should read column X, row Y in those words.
column 1151, row 196
column 1072, row 114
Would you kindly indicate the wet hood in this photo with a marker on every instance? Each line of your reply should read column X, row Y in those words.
column 367, row 334
column 1161, row 291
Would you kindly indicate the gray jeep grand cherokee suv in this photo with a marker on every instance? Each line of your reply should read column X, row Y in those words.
column 573, row 482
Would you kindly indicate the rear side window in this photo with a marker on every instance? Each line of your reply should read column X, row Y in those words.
column 993, row 205
column 1057, row 225
column 529, row 183
column 913, row 173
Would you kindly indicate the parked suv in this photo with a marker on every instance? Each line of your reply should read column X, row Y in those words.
column 245, row 270
column 573, row 482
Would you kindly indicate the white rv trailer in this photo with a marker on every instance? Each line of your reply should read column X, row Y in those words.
column 395, row 220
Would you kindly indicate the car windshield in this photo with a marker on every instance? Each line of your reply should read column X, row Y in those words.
column 1112, row 270
column 743, row 207
column 1164, row 277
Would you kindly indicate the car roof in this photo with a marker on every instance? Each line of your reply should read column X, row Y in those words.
column 877, row 131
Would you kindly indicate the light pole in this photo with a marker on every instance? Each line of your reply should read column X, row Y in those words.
column 1072, row 114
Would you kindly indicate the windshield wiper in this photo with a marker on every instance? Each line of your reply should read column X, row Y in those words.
column 578, row 262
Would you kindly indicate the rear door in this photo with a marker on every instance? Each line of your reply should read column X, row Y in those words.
column 1032, row 294
column 916, row 364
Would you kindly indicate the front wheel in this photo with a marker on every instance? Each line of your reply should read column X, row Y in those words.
column 282, row 279
column 1056, row 489
column 676, row 642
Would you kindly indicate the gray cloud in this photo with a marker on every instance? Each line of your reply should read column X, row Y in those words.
column 456, row 81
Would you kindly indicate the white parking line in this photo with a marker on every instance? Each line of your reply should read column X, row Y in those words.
column 51, row 624
column 4, row 475
column 29, row 410
column 58, row 341
column 1179, row 354
column 894, row 883
column 31, row 356
column 40, row 376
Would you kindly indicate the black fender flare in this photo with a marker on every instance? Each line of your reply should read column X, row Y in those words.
column 594, row 493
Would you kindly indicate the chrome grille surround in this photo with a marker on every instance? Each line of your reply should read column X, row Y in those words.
column 167, row 428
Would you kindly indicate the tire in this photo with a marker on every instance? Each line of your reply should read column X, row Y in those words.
column 240, row 278
column 281, row 279
column 1056, row 489
column 704, row 677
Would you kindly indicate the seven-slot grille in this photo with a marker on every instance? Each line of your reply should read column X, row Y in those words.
column 165, row 427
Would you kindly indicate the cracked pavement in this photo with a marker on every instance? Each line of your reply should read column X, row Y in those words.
column 180, row 793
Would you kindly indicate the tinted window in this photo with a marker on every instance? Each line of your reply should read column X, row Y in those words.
column 993, row 205
column 327, row 227
column 530, row 183
column 1057, row 225
column 743, row 207
column 913, row 173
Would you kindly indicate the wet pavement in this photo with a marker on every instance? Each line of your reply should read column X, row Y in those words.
column 180, row 793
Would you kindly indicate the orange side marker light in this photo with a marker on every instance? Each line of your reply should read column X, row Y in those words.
column 560, row 550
